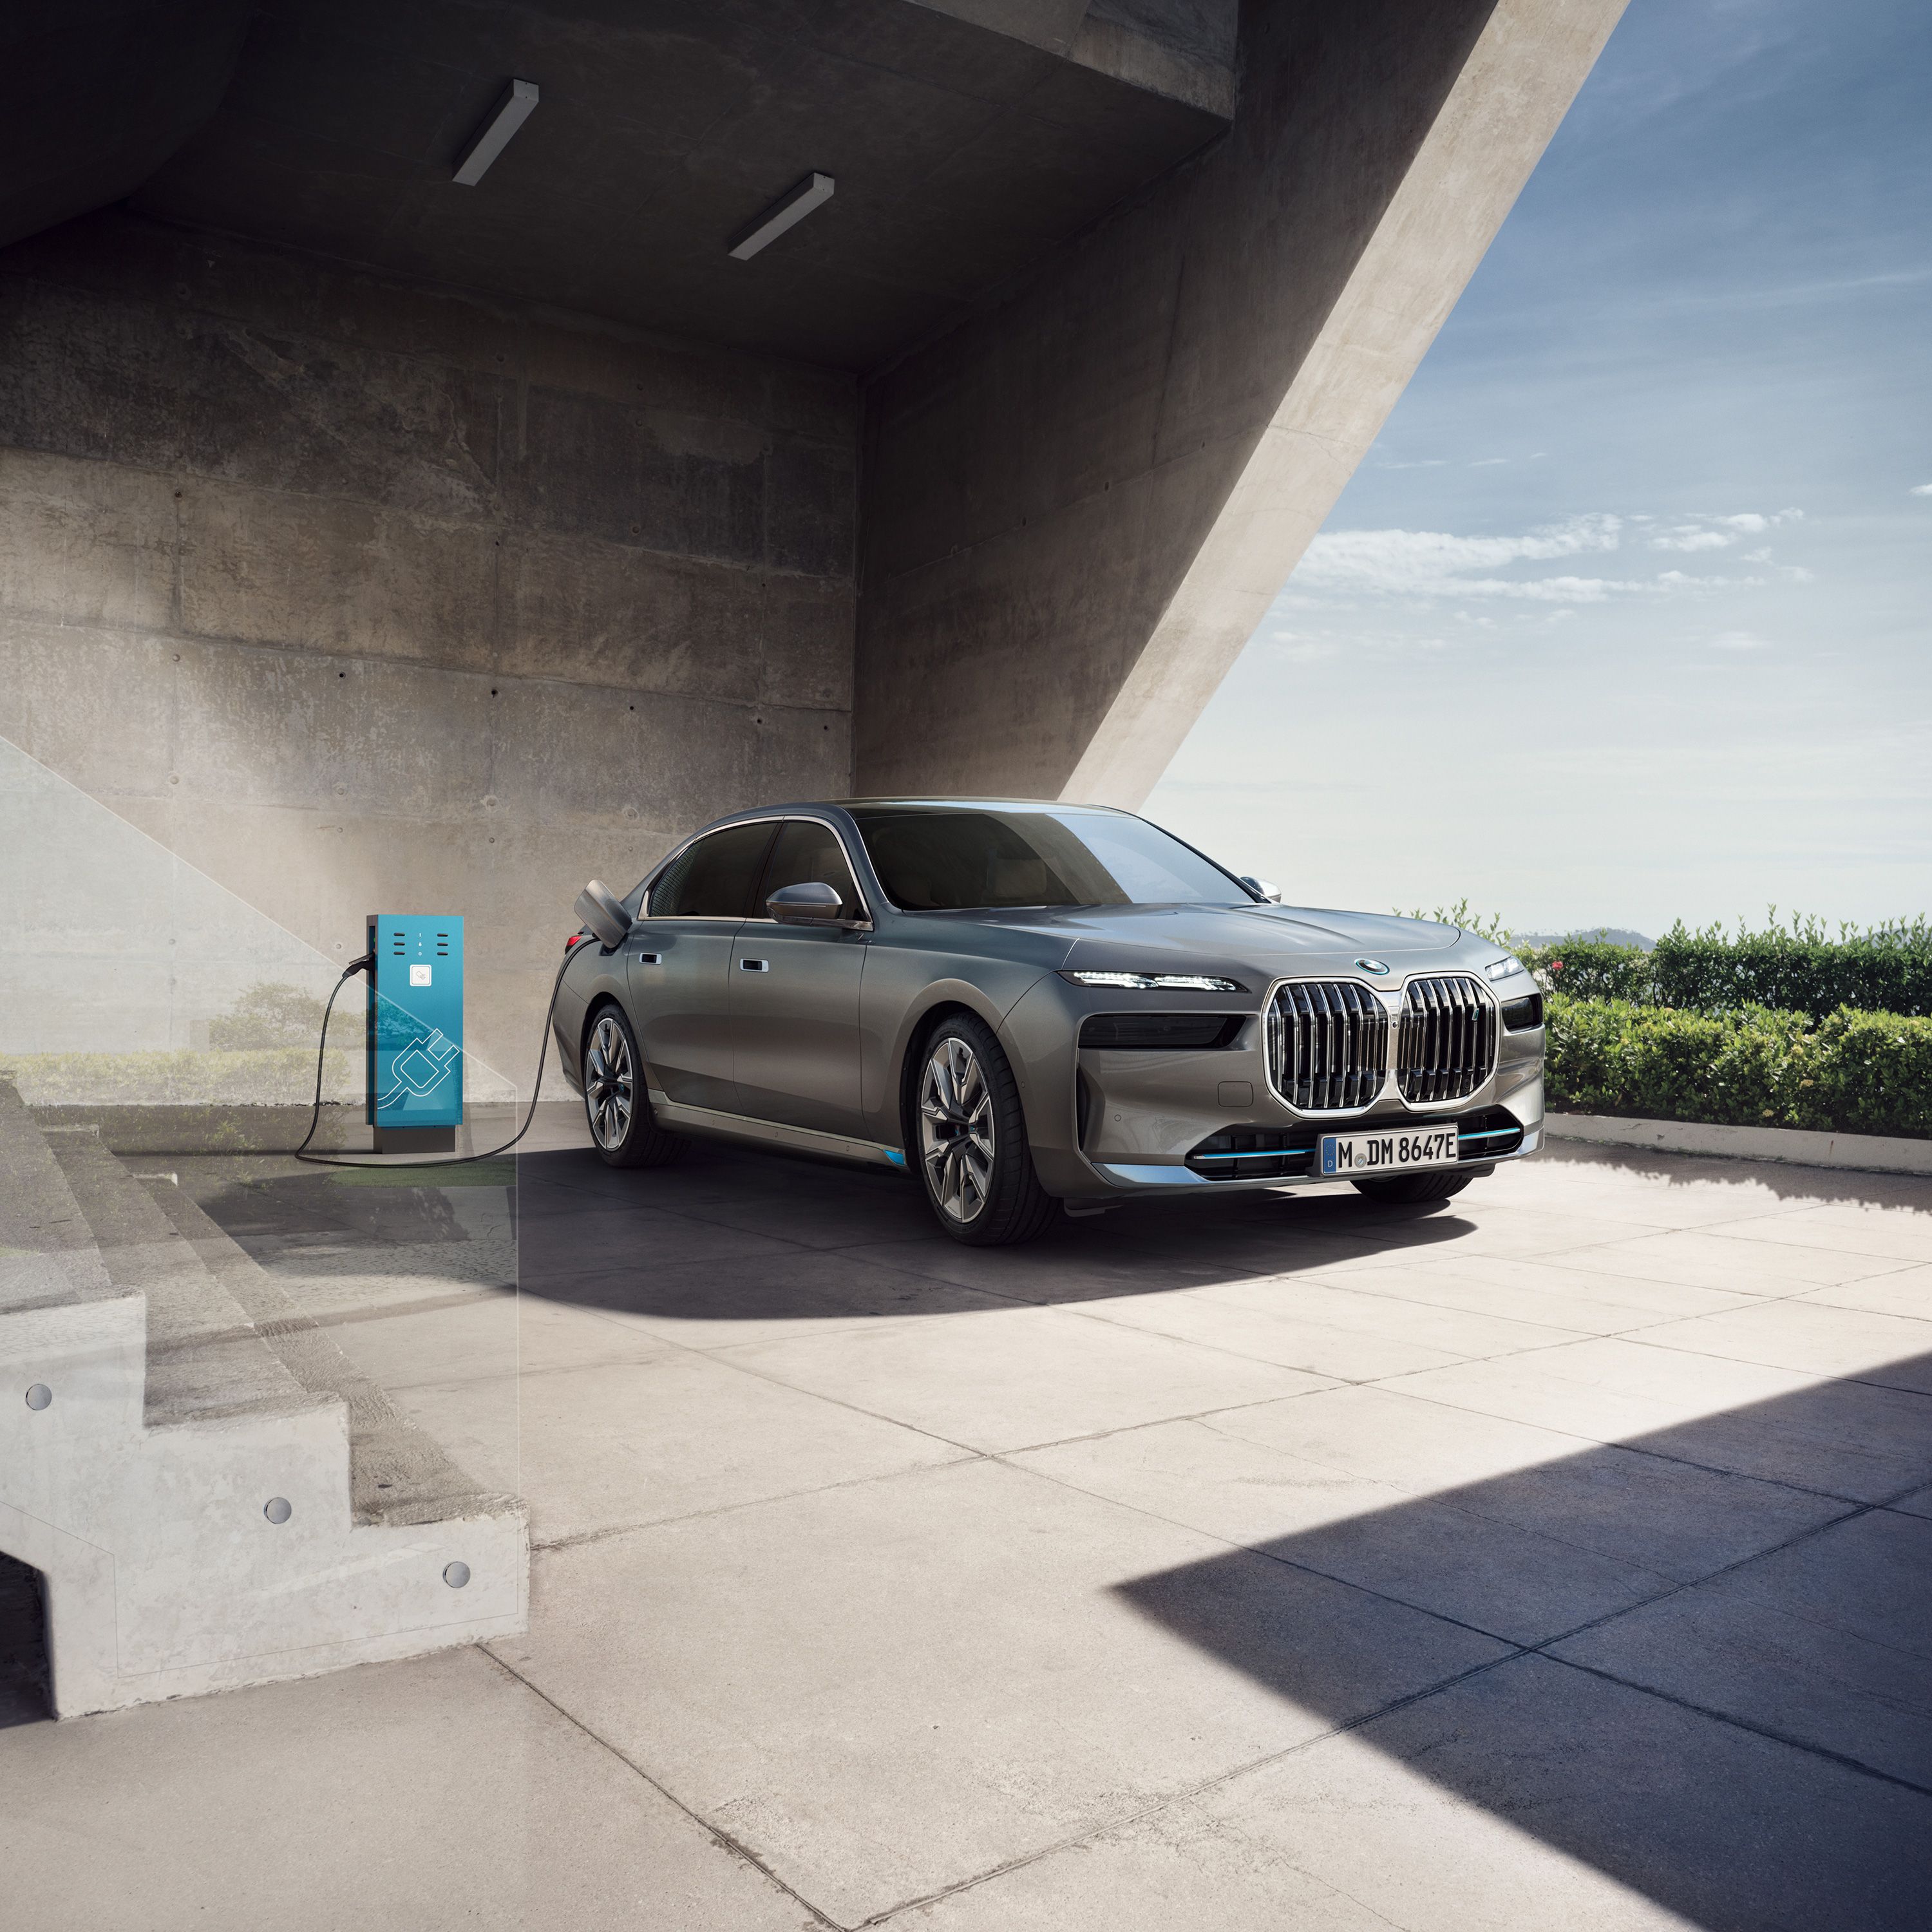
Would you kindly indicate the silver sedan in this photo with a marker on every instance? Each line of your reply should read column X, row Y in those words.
column 1037, row 1007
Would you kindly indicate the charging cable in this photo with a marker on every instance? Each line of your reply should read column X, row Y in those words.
column 364, row 964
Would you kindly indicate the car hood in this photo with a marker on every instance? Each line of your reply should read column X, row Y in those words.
column 1266, row 940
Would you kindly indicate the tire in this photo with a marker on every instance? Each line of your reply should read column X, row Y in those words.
column 615, row 1105
column 1435, row 1186
column 969, row 1139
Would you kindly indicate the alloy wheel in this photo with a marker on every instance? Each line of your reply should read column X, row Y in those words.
column 955, row 1126
column 609, row 1083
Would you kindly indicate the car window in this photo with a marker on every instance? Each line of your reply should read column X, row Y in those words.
column 937, row 859
column 807, row 851
column 713, row 877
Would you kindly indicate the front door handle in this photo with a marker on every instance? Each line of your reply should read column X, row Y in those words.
column 754, row 965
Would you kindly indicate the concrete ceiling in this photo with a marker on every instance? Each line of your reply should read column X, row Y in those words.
column 962, row 153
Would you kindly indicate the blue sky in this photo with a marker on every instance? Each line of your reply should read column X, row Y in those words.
column 1641, row 563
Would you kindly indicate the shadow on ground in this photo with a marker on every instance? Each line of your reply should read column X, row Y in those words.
column 1803, row 1806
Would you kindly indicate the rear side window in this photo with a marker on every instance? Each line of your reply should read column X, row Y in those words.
column 715, row 877
column 807, row 851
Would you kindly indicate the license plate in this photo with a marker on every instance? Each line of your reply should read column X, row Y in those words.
column 1394, row 1153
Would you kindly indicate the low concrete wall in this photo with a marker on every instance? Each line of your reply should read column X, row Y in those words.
column 1869, row 1154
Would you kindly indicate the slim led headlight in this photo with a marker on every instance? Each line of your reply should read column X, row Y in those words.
column 1504, row 968
column 1158, row 982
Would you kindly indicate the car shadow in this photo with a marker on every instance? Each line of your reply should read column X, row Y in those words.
column 1711, row 1665
column 729, row 1234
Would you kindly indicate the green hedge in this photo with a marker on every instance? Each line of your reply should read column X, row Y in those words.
column 1794, row 968
column 1850, row 1072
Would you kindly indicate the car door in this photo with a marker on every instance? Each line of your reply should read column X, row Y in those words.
column 678, row 964
column 795, row 995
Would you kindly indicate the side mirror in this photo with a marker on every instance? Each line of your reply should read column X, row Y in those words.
column 1261, row 889
column 814, row 903
column 599, row 910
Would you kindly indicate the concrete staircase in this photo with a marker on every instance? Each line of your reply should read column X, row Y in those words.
column 213, row 1493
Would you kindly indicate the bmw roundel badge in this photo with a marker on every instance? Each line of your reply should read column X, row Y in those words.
column 1371, row 965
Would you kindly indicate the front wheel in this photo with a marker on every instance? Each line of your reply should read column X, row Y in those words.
column 614, row 1101
column 1436, row 1184
column 971, row 1139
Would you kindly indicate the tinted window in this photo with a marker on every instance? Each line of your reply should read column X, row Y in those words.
column 935, row 860
column 714, row 878
column 805, row 851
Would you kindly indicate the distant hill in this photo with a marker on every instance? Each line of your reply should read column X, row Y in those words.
column 1616, row 935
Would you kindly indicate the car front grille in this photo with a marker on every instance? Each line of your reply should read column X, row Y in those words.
column 1446, row 1047
column 1328, row 1045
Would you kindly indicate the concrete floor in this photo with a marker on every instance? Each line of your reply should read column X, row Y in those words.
column 1559, row 1558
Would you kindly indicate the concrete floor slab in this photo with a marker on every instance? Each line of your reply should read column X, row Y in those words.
column 1704, row 1258
column 1662, row 1515
column 1028, row 1376
column 471, row 1338
column 1341, row 1301
column 1516, row 1584
column 1569, row 1297
column 888, row 1688
column 617, row 1444
column 1889, row 1233
column 1826, row 1642
column 699, row 1305
column 1535, row 1796
column 1850, row 1439
column 1895, row 1350
column 1908, row 1293
column 1095, row 1680
column 436, row 1793
column 1274, row 1332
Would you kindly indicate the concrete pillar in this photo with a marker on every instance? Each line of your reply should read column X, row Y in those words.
column 1077, row 507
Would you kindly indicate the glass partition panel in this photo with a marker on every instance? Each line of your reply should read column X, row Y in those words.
column 258, row 1414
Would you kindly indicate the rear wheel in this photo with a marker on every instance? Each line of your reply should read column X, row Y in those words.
column 614, row 1101
column 971, row 1140
column 1436, row 1184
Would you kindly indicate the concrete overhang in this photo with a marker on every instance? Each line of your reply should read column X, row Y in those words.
column 968, row 139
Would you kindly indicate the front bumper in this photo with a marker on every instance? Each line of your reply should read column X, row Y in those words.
column 1107, row 1122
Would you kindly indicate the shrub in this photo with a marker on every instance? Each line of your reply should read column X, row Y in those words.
column 1795, row 968
column 1853, row 1072
column 1590, row 969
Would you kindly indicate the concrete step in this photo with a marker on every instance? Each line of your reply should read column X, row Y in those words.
column 399, row 1474
column 204, row 1358
column 211, row 1492
column 47, row 1255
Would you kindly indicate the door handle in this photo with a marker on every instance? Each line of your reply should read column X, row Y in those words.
column 650, row 958
column 754, row 965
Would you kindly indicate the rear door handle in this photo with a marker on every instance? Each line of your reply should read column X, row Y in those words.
column 754, row 965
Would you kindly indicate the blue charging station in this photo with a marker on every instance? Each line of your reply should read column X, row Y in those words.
column 415, row 1039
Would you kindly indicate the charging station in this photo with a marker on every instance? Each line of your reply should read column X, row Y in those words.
column 415, row 1037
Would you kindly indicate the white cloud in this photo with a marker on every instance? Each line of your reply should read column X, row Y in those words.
column 1488, row 462
column 1688, row 536
column 1921, row 489
column 1428, row 564
column 1738, row 641
column 1431, row 563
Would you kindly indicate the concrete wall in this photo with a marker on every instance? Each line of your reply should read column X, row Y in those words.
column 360, row 596
column 1078, row 505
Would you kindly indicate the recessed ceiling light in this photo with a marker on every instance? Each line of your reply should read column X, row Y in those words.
column 511, row 110
column 787, row 211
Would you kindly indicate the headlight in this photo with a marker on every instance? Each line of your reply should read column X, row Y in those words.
column 1158, row 982
column 1505, row 968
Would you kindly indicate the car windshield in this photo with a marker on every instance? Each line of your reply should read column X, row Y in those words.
column 948, row 859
